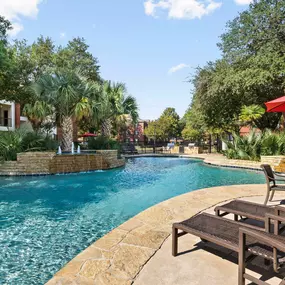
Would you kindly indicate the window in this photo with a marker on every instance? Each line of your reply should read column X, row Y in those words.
column 6, row 118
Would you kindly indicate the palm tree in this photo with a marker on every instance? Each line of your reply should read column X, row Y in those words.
column 116, row 104
column 37, row 113
column 250, row 114
column 71, row 97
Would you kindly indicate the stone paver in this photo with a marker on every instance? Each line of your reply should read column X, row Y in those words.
column 130, row 259
column 120, row 256
column 92, row 268
column 107, row 278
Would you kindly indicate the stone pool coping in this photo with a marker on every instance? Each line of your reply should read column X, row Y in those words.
column 118, row 257
column 210, row 159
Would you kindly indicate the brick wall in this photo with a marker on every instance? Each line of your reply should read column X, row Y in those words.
column 17, row 115
column 50, row 163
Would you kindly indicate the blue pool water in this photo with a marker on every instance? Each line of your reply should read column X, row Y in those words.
column 46, row 221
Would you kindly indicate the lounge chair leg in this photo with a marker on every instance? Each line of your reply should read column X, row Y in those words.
column 174, row 241
column 275, row 262
column 241, row 259
column 267, row 197
column 272, row 194
column 266, row 262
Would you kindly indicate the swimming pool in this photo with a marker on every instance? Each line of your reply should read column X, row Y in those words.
column 46, row 221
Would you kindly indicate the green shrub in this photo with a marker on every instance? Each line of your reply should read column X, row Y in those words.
column 10, row 145
column 101, row 142
column 49, row 144
column 13, row 142
column 252, row 146
column 273, row 143
column 37, row 142
column 244, row 147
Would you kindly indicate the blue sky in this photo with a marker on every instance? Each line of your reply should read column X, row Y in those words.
column 151, row 45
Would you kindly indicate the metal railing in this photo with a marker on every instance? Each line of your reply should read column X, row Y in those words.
column 5, row 122
column 133, row 148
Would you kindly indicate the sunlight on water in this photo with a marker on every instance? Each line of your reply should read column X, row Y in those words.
column 46, row 221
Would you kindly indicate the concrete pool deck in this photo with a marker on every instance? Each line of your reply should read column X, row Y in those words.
column 138, row 251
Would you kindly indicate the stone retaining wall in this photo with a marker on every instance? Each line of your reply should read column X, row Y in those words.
column 187, row 150
column 43, row 163
column 28, row 163
column 193, row 150
column 111, row 158
column 77, row 163
column 276, row 161
column 235, row 163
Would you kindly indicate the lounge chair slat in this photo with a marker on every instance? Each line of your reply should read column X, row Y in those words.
column 250, row 210
column 247, row 209
column 255, row 280
column 225, row 232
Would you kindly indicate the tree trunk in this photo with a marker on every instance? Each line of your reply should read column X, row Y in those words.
column 106, row 127
column 67, row 133
column 210, row 144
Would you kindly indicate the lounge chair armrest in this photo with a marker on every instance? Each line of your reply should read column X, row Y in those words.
column 275, row 218
column 280, row 175
column 266, row 238
column 279, row 208
column 279, row 179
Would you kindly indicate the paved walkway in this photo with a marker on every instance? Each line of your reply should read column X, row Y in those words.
column 131, row 252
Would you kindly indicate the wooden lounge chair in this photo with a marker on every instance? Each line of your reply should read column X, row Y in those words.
column 271, row 180
column 273, row 242
column 225, row 232
column 247, row 209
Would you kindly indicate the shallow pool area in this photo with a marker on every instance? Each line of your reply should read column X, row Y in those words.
column 46, row 221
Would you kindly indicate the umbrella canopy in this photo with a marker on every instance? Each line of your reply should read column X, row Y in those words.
column 87, row 135
column 277, row 105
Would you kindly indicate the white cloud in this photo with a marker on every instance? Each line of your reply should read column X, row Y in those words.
column 62, row 35
column 177, row 68
column 182, row 9
column 17, row 28
column 243, row 2
column 14, row 9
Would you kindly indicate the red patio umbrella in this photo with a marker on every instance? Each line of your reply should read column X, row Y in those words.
column 88, row 135
column 277, row 105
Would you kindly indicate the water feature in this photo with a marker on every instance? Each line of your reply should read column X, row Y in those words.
column 59, row 150
column 72, row 148
column 46, row 221
column 78, row 149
